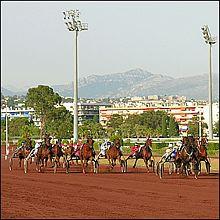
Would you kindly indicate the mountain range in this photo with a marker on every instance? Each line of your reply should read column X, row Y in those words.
column 135, row 82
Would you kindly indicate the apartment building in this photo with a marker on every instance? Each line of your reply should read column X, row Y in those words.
column 19, row 113
column 182, row 114
column 86, row 111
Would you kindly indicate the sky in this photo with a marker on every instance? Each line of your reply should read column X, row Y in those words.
column 160, row 37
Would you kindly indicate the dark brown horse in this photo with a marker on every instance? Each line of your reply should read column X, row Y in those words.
column 43, row 154
column 145, row 153
column 202, row 147
column 202, row 153
column 55, row 155
column 87, row 154
column 114, row 153
column 188, row 154
column 68, row 152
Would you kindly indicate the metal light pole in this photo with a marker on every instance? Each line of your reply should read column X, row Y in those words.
column 73, row 23
column 200, row 124
column 6, row 131
column 209, row 40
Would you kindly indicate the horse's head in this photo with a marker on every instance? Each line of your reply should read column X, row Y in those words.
column 204, row 141
column 148, row 142
column 117, row 142
column 90, row 141
column 185, row 140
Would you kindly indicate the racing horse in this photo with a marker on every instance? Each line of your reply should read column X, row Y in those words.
column 145, row 153
column 42, row 156
column 69, row 152
column 114, row 153
column 88, row 154
column 21, row 154
column 55, row 155
column 202, row 153
column 188, row 154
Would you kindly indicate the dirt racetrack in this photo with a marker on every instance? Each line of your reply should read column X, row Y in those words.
column 135, row 194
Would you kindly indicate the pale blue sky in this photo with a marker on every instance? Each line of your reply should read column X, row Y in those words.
column 161, row 37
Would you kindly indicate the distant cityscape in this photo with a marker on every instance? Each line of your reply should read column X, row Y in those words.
column 103, row 109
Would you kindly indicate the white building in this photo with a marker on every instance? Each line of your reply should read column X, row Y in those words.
column 215, row 113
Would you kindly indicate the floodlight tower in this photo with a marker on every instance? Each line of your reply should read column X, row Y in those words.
column 209, row 40
column 73, row 23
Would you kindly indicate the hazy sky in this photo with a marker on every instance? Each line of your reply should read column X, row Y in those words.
column 161, row 37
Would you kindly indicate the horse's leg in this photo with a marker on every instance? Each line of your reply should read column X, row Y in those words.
column 20, row 162
column 122, row 164
column 170, row 168
column 87, row 162
column 38, row 167
column 135, row 162
column 96, row 165
column 146, row 164
column 65, row 163
column 91, row 165
column 200, row 166
column 113, row 163
column 110, row 163
column 25, row 165
column 45, row 161
column 128, row 157
column 208, row 166
column 30, row 158
column 196, row 168
column 10, row 163
column 83, row 165
column 55, row 164
column 77, row 163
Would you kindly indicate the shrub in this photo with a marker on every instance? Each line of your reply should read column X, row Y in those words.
column 213, row 146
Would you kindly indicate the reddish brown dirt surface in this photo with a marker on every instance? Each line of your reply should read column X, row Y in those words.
column 135, row 194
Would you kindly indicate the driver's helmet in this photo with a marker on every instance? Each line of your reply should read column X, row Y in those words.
column 39, row 141
column 170, row 145
column 179, row 143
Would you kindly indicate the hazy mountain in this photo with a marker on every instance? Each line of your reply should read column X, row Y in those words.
column 138, row 82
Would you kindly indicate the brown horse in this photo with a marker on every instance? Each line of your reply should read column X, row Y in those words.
column 114, row 153
column 55, row 155
column 202, row 153
column 145, row 153
column 67, row 151
column 21, row 154
column 88, row 154
column 189, row 154
column 42, row 156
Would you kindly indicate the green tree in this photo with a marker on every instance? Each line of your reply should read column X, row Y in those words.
column 216, row 127
column 91, row 128
column 126, row 130
column 43, row 100
column 60, row 123
column 20, row 127
column 139, row 130
column 193, row 126
column 16, row 126
column 173, row 127
column 164, row 126
column 3, row 130
column 115, row 121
